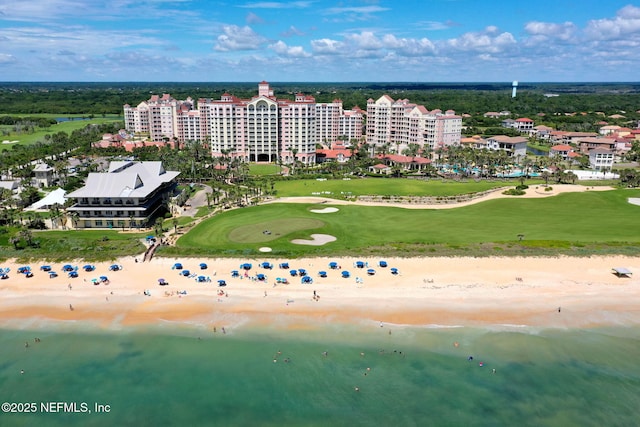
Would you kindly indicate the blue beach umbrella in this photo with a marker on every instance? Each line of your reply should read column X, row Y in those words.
column 333, row 265
column 203, row 266
column 322, row 273
column 346, row 274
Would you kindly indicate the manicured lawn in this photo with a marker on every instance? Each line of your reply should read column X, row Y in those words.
column 338, row 188
column 575, row 222
column 67, row 127
column 264, row 169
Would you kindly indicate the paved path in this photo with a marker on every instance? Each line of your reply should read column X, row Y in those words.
column 197, row 201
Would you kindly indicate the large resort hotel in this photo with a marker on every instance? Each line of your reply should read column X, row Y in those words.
column 266, row 128
column 130, row 194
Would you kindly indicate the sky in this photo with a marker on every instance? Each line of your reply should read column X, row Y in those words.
column 320, row 40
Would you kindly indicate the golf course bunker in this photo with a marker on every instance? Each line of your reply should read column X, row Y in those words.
column 634, row 201
column 316, row 240
column 265, row 249
column 325, row 210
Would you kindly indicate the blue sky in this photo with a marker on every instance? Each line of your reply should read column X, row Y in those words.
column 307, row 40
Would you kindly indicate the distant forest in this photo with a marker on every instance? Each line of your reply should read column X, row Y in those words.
column 471, row 98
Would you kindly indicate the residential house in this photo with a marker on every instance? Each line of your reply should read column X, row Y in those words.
column 601, row 159
column 590, row 143
column 514, row 145
column 565, row 152
column 130, row 194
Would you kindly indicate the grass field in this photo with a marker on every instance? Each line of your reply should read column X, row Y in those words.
column 573, row 223
column 92, row 245
column 68, row 127
column 338, row 188
column 264, row 169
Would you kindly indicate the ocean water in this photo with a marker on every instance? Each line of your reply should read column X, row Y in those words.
column 177, row 376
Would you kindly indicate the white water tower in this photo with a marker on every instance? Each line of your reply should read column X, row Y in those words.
column 515, row 87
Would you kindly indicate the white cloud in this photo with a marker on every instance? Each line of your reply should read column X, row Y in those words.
column 365, row 40
column 292, row 31
column 491, row 40
column 252, row 18
column 282, row 49
column 625, row 24
column 327, row 46
column 546, row 30
column 238, row 38
column 6, row 58
column 409, row 47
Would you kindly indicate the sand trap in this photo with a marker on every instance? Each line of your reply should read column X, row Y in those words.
column 317, row 240
column 265, row 249
column 634, row 201
column 325, row 210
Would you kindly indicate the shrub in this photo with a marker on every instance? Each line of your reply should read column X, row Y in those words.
column 548, row 189
column 513, row 192
column 522, row 187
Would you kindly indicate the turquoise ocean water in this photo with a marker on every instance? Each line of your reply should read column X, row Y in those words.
column 414, row 377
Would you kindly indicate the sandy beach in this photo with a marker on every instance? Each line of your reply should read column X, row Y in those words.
column 557, row 292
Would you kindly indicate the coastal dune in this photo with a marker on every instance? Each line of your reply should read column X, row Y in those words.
column 561, row 292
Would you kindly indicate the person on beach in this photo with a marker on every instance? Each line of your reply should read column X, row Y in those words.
column 70, row 307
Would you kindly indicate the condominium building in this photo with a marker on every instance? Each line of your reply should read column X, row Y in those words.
column 263, row 128
column 400, row 123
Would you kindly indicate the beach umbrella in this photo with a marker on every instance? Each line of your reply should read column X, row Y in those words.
column 302, row 272
column 345, row 274
column 222, row 283
column 201, row 279
column 284, row 265
column 203, row 266
column 89, row 267
column 322, row 273
column 235, row 273
column 394, row 270
column 293, row 272
column 104, row 278
column 52, row 274
column 261, row 276
column 24, row 269
column 382, row 263
column 45, row 267
column 333, row 265
column 177, row 266
column 371, row 272
column 4, row 276
column 115, row 267
column 162, row 282
column 73, row 274
column 359, row 264
column 185, row 272
column 67, row 267
column 307, row 279
column 246, row 266
column 267, row 265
